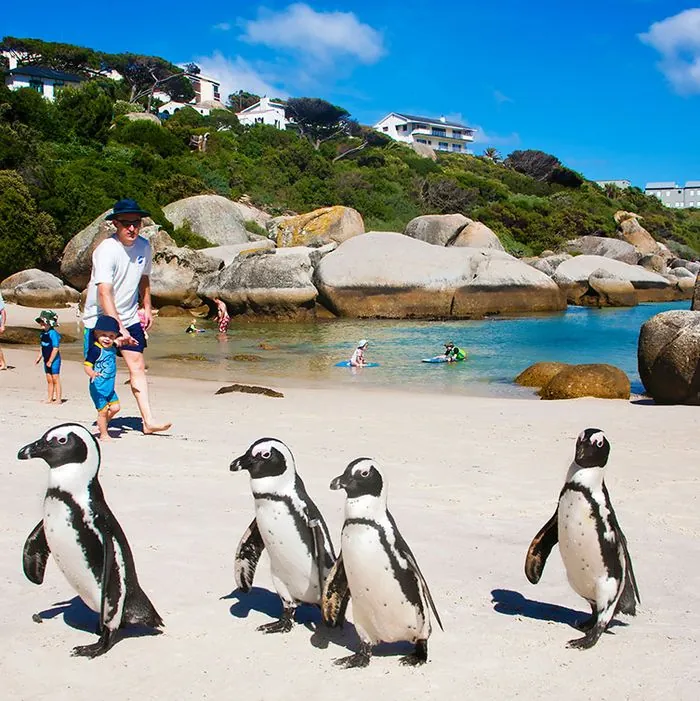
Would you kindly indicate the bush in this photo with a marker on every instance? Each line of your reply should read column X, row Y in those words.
column 255, row 228
column 184, row 236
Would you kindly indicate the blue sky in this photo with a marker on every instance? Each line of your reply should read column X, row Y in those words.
column 611, row 88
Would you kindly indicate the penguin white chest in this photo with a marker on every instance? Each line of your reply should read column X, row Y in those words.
column 380, row 606
column 579, row 544
column 291, row 561
column 73, row 546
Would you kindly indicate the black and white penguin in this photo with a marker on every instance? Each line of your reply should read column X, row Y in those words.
column 84, row 537
column 288, row 525
column 591, row 542
column 390, row 597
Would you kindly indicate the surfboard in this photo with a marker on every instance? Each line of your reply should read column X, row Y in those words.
column 437, row 359
column 346, row 364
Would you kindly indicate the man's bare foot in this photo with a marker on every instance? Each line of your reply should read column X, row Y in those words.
column 47, row 401
column 104, row 438
column 155, row 428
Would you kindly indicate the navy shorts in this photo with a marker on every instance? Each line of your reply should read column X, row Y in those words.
column 136, row 331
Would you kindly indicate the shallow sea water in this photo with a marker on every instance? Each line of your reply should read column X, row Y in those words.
column 498, row 349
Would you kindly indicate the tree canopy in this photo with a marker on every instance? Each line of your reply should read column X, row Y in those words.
column 316, row 119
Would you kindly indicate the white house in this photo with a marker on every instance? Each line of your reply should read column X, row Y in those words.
column 204, row 108
column 264, row 112
column 207, row 97
column 45, row 81
column 440, row 134
column 673, row 195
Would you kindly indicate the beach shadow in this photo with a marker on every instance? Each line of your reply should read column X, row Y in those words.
column 513, row 603
column 124, row 424
column 644, row 401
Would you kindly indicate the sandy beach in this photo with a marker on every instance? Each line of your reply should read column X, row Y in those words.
column 471, row 482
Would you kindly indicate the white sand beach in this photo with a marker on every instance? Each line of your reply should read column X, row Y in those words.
column 471, row 482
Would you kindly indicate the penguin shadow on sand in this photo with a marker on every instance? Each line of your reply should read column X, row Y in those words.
column 307, row 615
column 79, row 616
column 513, row 603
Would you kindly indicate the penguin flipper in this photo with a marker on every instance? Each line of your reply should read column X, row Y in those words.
column 35, row 554
column 408, row 555
column 247, row 555
column 541, row 546
column 336, row 595
column 111, row 586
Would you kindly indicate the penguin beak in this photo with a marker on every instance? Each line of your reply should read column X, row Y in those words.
column 338, row 483
column 33, row 450
column 240, row 463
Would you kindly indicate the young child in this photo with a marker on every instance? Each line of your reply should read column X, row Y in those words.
column 358, row 357
column 101, row 367
column 49, row 353
column 222, row 317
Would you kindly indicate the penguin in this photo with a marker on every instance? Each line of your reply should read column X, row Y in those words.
column 84, row 537
column 390, row 596
column 591, row 542
column 288, row 525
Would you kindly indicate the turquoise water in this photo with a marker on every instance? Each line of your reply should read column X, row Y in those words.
column 499, row 348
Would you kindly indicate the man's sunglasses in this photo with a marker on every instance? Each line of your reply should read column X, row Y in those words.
column 126, row 223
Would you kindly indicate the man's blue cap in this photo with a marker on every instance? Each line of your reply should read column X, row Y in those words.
column 126, row 207
column 107, row 323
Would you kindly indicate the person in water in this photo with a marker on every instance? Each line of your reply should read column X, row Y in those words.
column 453, row 353
column 192, row 328
column 358, row 357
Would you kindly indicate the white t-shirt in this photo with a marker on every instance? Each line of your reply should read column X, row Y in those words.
column 122, row 267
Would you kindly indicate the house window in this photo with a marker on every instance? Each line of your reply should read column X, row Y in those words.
column 443, row 145
column 404, row 127
column 277, row 123
column 385, row 128
column 456, row 147
column 58, row 85
column 36, row 84
column 421, row 141
column 439, row 132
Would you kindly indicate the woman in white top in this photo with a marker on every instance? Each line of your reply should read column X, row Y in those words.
column 358, row 357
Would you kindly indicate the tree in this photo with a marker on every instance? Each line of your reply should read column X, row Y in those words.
column 241, row 100
column 369, row 136
column 492, row 154
column 86, row 111
column 316, row 119
column 28, row 237
column 536, row 164
column 60, row 57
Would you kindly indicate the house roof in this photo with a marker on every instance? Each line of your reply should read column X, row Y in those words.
column 43, row 72
column 271, row 103
column 428, row 120
column 661, row 186
column 693, row 183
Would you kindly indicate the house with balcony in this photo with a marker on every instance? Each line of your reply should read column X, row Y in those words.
column 266, row 111
column 45, row 81
column 673, row 195
column 207, row 97
column 440, row 134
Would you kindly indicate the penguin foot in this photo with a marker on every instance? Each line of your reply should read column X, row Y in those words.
column 359, row 659
column 587, row 641
column 418, row 657
column 283, row 625
column 585, row 625
column 96, row 649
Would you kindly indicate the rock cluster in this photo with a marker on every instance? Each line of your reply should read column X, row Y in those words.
column 564, row 381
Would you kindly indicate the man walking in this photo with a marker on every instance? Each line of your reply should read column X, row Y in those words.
column 121, row 266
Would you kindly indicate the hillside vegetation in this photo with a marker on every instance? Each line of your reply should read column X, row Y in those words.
column 64, row 163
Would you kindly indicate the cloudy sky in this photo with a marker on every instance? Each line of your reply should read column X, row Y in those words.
column 611, row 87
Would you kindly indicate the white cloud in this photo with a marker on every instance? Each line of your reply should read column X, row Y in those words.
column 500, row 97
column 482, row 137
column 322, row 36
column 222, row 26
column 238, row 74
column 677, row 39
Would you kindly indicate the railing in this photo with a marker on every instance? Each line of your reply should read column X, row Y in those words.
column 464, row 136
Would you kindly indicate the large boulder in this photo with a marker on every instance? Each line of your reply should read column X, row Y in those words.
column 609, row 290
column 596, row 380
column 696, row 295
column 216, row 218
column 692, row 266
column 668, row 356
column 228, row 253
column 654, row 262
column 477, row 235
column 573, row 277
column 603, row 246
column 76, row 261
column 142, row 117
column 277, row 283
column 389, row 275
column 539, row 374
column 630, row 230
column 438, row 229
column 547, row 264
column 320, row 227
column 35, row 288
column 176, row 275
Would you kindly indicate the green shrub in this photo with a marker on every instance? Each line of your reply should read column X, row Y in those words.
column 255, row 228
column 184, row 236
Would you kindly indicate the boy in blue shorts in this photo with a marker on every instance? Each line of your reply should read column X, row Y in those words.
column 101, row 367
column 50, row 340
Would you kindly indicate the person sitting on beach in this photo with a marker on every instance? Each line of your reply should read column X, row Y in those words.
column 222, row 317
column 192, row 328
column 49, row 342
column 453, row 353
column 101, row 367
column 358, row 357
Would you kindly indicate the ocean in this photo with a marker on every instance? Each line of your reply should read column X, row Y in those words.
column 498, row 349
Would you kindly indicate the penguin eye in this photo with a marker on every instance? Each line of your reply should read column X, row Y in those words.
column 364, row 473
column 266, row 455
column 599, row 442
column 62, row 440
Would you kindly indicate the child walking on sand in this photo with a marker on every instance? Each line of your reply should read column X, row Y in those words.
column 49, row 353
column 101, row 367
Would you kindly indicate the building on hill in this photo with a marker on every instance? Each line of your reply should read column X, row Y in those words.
column 622, row 184
column 673, row 195
column 440, row 134
column 207, row 97
column 45, row 81
column 266, row 111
